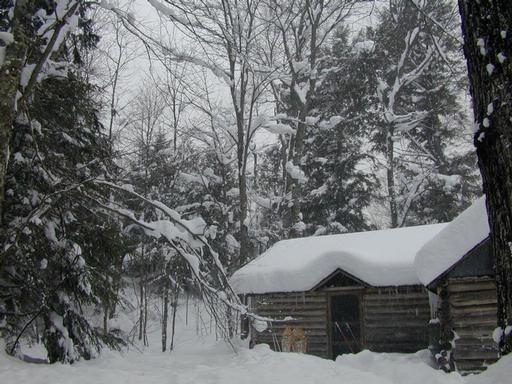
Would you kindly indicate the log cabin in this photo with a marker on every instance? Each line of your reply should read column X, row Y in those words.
column 457, row 266
column 343, row 292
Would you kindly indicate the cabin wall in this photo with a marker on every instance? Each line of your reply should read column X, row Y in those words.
column 393, row 319
column 396, row 319
column 309, row 311
column 473, row 309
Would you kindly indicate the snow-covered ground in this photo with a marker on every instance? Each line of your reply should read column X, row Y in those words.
column 201, row 359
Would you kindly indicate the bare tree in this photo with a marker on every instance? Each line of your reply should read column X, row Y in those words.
column 226, row 34
column 145, row 129
column 111, row 65
column 119, row 54
column 186, row 239
column 173, row 90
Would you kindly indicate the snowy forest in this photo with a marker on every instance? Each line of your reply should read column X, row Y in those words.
column 151, row 149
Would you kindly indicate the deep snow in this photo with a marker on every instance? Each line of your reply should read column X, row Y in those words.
column 201, row 359
column 379, row 258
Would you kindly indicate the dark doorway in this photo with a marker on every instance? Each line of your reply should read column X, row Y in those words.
column 345, row 323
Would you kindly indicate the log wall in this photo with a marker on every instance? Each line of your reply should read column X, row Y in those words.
column 393, row 319
column 396, row 319
column 308, row 310
column 473, row 313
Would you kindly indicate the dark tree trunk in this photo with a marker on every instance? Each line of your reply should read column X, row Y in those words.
column 145, row 331
column 295, row 152
column 141, row 307
column 174, row 310
column 245, row 243
column 487, row 30
column 105, row 319
column 186, row 308
column 165, row 315
column 390, row 176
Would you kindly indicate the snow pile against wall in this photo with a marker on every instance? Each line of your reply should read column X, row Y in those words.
column 378, row 258
column 451, row 244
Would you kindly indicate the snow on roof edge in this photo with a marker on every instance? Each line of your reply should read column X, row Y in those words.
column 450, row 245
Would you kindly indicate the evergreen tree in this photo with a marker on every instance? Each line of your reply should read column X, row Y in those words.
column 340, row 181
column 54, row 259
column 267, row 194
column 430, row 169
column 32, row 33
column 60, row 251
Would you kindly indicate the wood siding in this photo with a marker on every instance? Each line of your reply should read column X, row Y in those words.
column 393, row 319
column 309, row 310
column 396, row 319
column 473, row 313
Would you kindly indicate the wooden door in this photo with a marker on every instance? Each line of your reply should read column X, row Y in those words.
column 345, row 324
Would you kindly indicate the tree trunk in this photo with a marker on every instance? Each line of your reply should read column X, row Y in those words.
column 245, row 244
column 145, row 331
column 174, row 310
column 294, row 185
column 487, row 30
column 141, row 308
column 390, row 175
column 293, row 190
column 105, row 319
column 238, row 100
column 165, row 312
column 186, row 308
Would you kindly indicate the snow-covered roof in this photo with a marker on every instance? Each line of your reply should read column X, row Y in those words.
column 450, row 245
column 378, row 258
